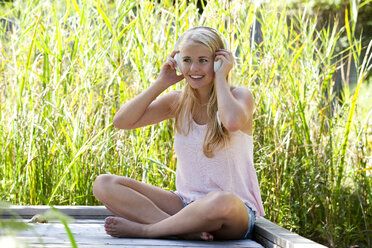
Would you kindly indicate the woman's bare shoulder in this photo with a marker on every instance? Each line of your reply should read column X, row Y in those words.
column 242, row 94
column 176, row 93
column 173, row 99
column 174, row 96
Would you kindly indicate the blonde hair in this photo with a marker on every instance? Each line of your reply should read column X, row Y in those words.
column 216, row 134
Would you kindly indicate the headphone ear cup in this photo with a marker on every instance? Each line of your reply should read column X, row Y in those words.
column 217, row 65
column 178, row 60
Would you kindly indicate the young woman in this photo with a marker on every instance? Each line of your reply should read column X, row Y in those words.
column 217, row 193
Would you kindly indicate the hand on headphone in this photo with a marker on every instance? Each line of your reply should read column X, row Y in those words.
column 227, row 61
column 168, row 72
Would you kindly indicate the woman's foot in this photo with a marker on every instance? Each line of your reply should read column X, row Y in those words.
column 198, row 236
column 122, row 228
column 206, row 236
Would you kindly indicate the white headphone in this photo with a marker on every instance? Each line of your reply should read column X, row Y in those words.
column 217, row 64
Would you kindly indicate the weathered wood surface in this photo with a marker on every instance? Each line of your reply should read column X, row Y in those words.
column 271, row 235
column 77, row 212
column 89, row 232
column 93, row 235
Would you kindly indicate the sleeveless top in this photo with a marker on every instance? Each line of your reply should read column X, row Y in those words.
column 230, row 169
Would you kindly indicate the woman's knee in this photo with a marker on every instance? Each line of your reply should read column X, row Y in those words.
column 101, row 183
column 223, row 204
column 104, row 183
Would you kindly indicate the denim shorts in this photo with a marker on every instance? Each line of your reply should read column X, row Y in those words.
column 252, row 220
column 181, row 198
column 252, row 217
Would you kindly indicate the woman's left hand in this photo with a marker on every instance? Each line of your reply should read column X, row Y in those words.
column 227, row 59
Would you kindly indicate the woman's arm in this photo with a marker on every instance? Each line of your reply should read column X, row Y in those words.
column 235, row 107
column 145, row 109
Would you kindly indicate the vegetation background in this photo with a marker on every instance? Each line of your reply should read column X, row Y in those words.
column 67, row 66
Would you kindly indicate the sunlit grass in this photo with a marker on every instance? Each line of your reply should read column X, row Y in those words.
column 69, row 65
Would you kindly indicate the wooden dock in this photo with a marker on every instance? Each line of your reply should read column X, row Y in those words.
column 87, row 229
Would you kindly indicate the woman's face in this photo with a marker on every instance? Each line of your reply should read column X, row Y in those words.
column 197, row 64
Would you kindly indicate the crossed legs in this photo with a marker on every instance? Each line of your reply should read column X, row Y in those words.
column 149, row 212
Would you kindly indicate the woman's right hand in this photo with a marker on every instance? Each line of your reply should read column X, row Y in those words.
column 168, row 73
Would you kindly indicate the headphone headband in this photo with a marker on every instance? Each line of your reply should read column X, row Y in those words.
column 222, row 36
column 224, row 40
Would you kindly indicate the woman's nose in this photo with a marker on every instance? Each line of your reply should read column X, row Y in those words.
column 193, row 67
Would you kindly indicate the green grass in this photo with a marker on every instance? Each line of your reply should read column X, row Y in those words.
column 69, row 66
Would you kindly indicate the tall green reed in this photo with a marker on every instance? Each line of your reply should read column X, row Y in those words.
column 69, row 66
column 312, row 175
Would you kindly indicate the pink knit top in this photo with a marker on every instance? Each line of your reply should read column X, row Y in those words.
column 230, row 169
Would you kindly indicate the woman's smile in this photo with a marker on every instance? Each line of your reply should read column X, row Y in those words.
column 196, row 77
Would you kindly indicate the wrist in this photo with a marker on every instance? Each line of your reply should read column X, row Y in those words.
column 161, row 85
column 221, row 78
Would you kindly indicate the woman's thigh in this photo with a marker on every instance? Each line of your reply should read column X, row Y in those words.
column 167, row 201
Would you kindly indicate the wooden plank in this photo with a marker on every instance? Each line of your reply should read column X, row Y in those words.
column 281, row 236
column 93, row 235
column 77, row 212
column 265, row 242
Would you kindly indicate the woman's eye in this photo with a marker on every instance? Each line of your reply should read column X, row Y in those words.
column 186, row 60
column 203, row 60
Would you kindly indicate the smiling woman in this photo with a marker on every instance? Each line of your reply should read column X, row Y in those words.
column 207, row 205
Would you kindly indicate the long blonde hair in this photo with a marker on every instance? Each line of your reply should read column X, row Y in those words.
column 216, row 134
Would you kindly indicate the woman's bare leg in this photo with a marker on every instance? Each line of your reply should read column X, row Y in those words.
column 135, row 201
column 220, row 213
